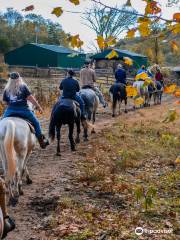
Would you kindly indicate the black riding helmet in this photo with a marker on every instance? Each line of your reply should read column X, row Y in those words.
column 14, row 75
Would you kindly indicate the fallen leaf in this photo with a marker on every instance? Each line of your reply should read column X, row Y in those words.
column 76, row 2
column 29, row 8
column 170, row 89
column 176, row 17
column 112, row 54
column 128, row 61
column 57, row 11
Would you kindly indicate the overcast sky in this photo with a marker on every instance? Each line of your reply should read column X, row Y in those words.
column 72, row 22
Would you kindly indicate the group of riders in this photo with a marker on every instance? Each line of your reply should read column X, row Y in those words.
column 16, row 95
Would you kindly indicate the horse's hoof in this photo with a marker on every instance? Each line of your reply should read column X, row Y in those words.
column 13, row 201
column 77, row 140
column 58, row 154
column 21, row 193
column 86, row 140
column 73, row 149
column 113, row 115
column 29, row 181
column 126, row 111
column 93, row 131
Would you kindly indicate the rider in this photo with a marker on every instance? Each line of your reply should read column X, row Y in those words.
column 159, row 76
column 120, row 75
column 87, row 76
column 70, row 88
column 142, row 69
column 9, row 223
column 17, row 95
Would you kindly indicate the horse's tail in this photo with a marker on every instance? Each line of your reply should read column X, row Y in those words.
column 52, row 128
column 7, row 150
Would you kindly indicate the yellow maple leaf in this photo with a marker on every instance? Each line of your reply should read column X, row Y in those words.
column 128, row 61
column 75, row 41
column 144, row 29
column 128, row 3
column 76, row 2
column 110, row 41
column 152, row 8
column 175, row 28
column 148, row 81
column 171, row 116
column 174, row 46
column 57, row 11
column 138, row 101
column 170, row 89
column 131, row 91
column 142, row 76
column 177, row 92
column 176, row 17
column 131, row 33
column 144, row 20
column 112, row 54
column 177, row 159
column 100, row 42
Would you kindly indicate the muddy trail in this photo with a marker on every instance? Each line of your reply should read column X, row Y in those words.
column 53, row 177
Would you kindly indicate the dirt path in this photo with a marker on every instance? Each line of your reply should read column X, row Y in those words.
column 52, row 178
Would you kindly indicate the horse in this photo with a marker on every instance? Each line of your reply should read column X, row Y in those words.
column 143, row 92
column 65, row 112
column 16, row 143
column 92, row 98
column 118, row 94
column 158, row 91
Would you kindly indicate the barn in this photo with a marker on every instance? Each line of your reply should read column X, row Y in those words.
column 43, row 55
column 103, row 62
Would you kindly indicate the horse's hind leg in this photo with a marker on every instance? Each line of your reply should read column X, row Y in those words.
column 58, row 132
column 93, row 121
column 114, row 106
column 28, row 179
column 125, row 102
column 85, row 127
column 71, row 139
column 78, row 123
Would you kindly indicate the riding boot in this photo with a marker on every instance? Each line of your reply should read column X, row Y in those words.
column 83, row 117
column 3, row 197
column 43, row 142
column 9, row 225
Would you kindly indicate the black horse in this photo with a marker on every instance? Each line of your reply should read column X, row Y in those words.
column 65, row 112
column 156, row 90
column 118, row 94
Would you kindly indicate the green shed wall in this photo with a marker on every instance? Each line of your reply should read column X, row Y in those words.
column 138, row 61
column 31, row 55
column 65, row 61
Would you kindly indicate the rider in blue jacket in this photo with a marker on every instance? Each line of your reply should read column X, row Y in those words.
column 70, row 88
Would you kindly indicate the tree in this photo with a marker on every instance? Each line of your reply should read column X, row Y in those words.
column 4, row 45
column 108, row 22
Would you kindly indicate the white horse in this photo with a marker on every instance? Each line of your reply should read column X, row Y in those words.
column 92, row 98
column 16, row 144
column 142, row 92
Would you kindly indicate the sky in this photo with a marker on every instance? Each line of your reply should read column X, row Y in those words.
column 72, row 23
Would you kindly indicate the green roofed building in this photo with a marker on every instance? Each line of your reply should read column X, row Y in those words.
column 43, row 55
column 103, row 62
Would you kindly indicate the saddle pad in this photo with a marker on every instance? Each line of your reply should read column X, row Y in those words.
column 27, row 121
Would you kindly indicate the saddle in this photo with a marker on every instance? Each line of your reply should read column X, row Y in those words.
column 66, row 103
column 27, row 121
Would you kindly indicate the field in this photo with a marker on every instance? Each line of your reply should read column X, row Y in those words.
column 125, row 177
